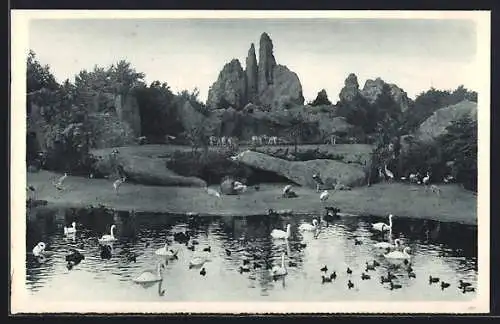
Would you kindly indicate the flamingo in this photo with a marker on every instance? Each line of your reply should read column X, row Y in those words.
column 39, row 249
column 388, row 172
column 280, row 234
column 309, row 227
column 108, row 237
column 383, row 226
column 118, row 183
column 398, row 254
column 324, row 195
column 70, row 230
column 148, row 276
column 278, row 271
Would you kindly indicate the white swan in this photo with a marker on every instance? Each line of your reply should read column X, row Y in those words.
column 385, row 245
column 108, row 237
column 398, row 254
column 279, row 270
column 197, row 262
column 383, row 226
column 165, row 251
column 279, row 234
column 149, row 276
column 70, row 230
column 309, row 227
column 39, row 249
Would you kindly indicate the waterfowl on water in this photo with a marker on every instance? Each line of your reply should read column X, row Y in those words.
column 390, row 275
column 381, row 227
column 75, row 257
column 398, row 254
column 464, row 284
column 279, row 270
column 364, row 276
column 395, row 286
column 207, row 249
column 350, row 284
column 203, row 272
column 181, row 237
column 244, row 268
column 325, row 279
column 39, row 249
column 197, row 262
column 166, row 252
column 433, row 279
column 468, row 289
column 384, row 279
column 149, row 276
column 108, row 237
column 309, row 227
column 369, row 267
column 70, row 229
column 324, row 269
column 388, row 245
column 357, row 241
column 444, row 285
column 412, row 275
column 375, row 263
column 280, row 234
column 349, row 271
column 333, row 275
column 106, row 252
column 131, row 257
column 292, row 264
column 257, row 265
column 228, row 252
column 191, row 247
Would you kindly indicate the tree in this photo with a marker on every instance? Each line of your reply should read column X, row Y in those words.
column 321, row 99
column 297, row 129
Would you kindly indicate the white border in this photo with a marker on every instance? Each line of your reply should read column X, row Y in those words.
column 19, row 49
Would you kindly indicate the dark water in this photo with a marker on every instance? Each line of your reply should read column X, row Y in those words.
column 444, row 250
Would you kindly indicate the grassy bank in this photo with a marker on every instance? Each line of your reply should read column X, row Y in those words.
column 454, row 204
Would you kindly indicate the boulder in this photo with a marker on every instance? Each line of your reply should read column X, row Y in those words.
column 332, row 172
column 144, row 170
column 350, row 89
column 373, row 88
column 284, row 92
column 230, row 88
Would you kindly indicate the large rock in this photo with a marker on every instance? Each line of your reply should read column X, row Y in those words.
column 251, row 72
column 436, row 124
column 144, row 170
column 190, row 117
column 127, row 110
column 332, row 172
column 350, row 89
column 373, row 88
column 284, row 92
column 230, row 87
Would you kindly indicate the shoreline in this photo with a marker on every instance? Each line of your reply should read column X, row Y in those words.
column 455, row 204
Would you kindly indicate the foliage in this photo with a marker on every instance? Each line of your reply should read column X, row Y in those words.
column 321, row 99
column 193, row 98
column 356, row 112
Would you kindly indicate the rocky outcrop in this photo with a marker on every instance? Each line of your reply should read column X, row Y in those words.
column 144, row 170
column 251, row 72
column 350, row 89
column 436, row 124
column 332, row 172
column 267, row 62
column 230, row 87
column 127, row 110
column 373, row 88
column 284, row 92
column 189, row 116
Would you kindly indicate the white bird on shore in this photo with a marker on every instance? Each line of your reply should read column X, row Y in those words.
column 149, row 276
column 426, row 179
column 39, row 249
column 279, row 270
column 309, row 227
column 280, row 234
column 383, row 226
column 118, row 183
column 108, row 237
column 70, row 229
column 388, row 172
column 238, row 186
column 213, row 192
column 60, row 181
column 324, row 195
column 398, row 254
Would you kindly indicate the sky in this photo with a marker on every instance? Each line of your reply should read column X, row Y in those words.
column 188, row 53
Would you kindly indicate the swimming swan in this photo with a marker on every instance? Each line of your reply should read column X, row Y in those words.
column 279, row 234
column 383, row 226
column 309, row 227
column 398, row 254
column 279, row 270
column 39, row 249
column 388, row 245
column 165, row 251
column 108, row 237
column 149, row 276
column 70, row 230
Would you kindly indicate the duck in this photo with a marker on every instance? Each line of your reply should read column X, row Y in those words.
column 468, row 289
column 433, row 279
column 169, row 253
column 375, row 263
column 385, row 279
column 369, row 267
column 280, row 234
column 350, row 284
column 364, row 276
column 326, row 279
column 181, row 237
column 381, row 227
column 70, row 229
column 398, row 254
column 244, row 268
column 191, row 247
column 257, row 265
column 444, row 285
column 39, row 249
column 292, row 264
column 228, row 252
column 203, row 272
column 464, row 284
column 395, row 286
column 412, row 275
column 390, row 275
column 149, row 276
column 324, row 269
column 106, row 252
column 75, row 257
column 108, row 237
column 357, row 241
column 349, row 271
column 388, row 245
column 333, row 275
column 207, row 249
column 309, row 227
column 279, row 270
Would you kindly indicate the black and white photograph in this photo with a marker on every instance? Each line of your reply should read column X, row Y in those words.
column 240, row 161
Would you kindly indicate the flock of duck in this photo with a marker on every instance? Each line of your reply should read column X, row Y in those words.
column 394, row 251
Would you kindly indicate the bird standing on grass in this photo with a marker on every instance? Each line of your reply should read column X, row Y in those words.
column 117, row 184
column 59, row 183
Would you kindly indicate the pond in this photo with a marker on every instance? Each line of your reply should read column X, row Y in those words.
column 444, row 250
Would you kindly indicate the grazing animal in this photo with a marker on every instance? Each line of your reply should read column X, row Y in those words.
column 203, row 272
column 108, row 237
column 309, row 227
column 278, row 271
column 70, row 229
column 395, row 286
column 433, row 279
column 444, row 285
column 149, row 276
column 280, row 234
column 324, row 195
column 117, row 184
column 364, row 276
column 381, row 227
column 350, row 284
column 39, row 249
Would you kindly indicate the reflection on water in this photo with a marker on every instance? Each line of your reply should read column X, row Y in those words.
column 241, row 254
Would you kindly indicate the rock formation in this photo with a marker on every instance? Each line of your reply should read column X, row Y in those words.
column 332, row 172
column 373, row 88
column 230, row 87
column 251, row 72
column 127, row 110
column 350, row 89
